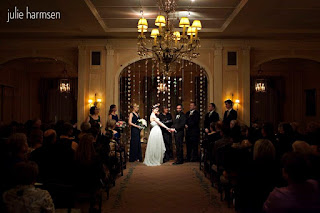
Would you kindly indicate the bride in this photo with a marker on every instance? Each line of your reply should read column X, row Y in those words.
column 155, row 147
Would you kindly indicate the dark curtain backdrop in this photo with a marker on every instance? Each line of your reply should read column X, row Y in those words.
column 6, row 103
column 55, row 105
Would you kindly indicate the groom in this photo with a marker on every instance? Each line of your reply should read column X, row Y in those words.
column 178, row 125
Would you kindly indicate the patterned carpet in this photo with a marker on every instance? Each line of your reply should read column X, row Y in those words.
column 165, row 188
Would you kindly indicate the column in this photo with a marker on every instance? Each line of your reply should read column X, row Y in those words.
column 246, row 85
column 82, row 67
column 110, row 84
column 217, row 79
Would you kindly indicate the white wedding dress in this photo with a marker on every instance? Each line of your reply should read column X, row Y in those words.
column 155, row 147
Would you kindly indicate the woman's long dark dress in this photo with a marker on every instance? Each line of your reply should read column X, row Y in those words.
column 115, row 117
column 135, row 144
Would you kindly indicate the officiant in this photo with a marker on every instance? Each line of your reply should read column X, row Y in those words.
column 166, row 118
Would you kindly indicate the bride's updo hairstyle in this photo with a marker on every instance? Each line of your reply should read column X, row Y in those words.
column 155, row 107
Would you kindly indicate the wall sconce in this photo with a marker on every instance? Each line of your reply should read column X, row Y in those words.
column 237, row 102
column 95, row 102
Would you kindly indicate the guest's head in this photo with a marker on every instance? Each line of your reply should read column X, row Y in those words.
column 49, row 137
column 67, row 129
column 155, row 109
column 19, row 146
column 85, row 151
column 295, row 126
column 295, row 167
column 228, row 103
column 264, row 151
column 225, row 131
column 95, row 130
column 179, row 108
column 192, row 106
column 165, row 110
column 135, row 108
column 301, row 147
column 233, row 123
column 212, row 125
column 244, row 130
column 94, row 110
column 285, row 128
column 111, row 124
column 25, row 173
column 113, row 109
column 36, row 123
column 218, row 126
column 85, row 126
column 267, row 130
column 211, row 107
column 36, row 138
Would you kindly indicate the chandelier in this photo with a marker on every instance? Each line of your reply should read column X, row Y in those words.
column 162, row 87
column 260, row 83
column 168, row 44
column 64, row 83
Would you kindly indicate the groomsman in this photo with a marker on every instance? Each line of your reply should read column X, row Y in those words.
column 192, row 133
column 230, row 114
column 211, row 116
column 178, row 125
column 166, row 118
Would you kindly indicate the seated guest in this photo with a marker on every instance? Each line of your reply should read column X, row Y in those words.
column 18, row 152
column 244, row 132
column 18, row 147
column 24, row 197
column 313, row 135
column 257, row 179
column 88, row 166
column 45, row 156
column 35, row 139
column 230, row 114
column 301, row 147
column 301, row 194
column 66, row 138
column 65, row 149
column 225, row 138
column 111, row 125
column 267, row 132
column 297, row 133
column 235, row 131
column 284, row 139
column 312, row 157
column 85, row 126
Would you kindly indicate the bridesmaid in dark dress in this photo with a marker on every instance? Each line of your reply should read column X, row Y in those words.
column 94, row 117
column 113, row 113
column 135, row 144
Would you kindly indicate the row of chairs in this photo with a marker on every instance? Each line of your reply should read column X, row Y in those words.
column 221, row 168
column 65, row 196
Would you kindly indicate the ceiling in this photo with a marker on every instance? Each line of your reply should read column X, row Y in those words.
column 265, row 19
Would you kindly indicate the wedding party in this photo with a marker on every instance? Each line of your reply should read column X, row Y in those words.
column 160, row 106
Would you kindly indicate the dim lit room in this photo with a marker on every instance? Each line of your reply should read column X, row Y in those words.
column 160, row 106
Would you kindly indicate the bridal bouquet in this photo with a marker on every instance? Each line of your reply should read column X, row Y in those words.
column 121, row 124
column 142, row 123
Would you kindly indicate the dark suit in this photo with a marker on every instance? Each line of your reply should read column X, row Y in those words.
column 192, row 135
column 179, row 123
column 232, row 116
column 167, row 136
column 214, row 117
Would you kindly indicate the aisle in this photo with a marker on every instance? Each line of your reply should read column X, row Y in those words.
column 166, row 188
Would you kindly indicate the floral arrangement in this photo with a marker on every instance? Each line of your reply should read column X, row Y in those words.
column 121, row 124
column 142, row 123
